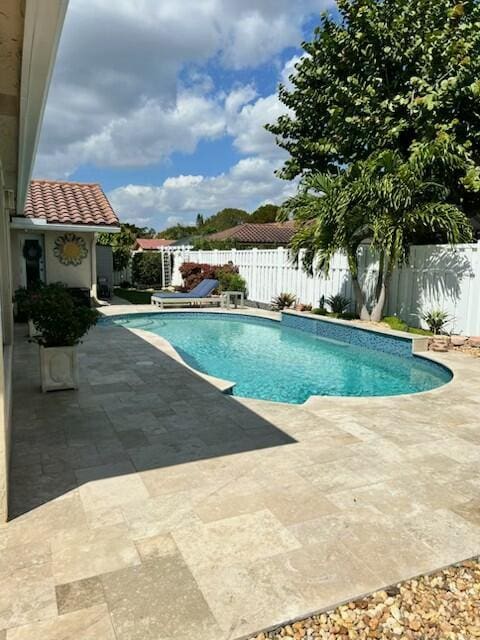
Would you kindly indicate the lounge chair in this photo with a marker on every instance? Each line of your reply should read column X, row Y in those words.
column 201, row 294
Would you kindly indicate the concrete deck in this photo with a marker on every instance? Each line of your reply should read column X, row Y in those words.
column 149, row 506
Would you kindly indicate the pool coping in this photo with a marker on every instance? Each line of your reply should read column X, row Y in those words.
column 225, row 386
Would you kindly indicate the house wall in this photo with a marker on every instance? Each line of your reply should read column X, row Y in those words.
column 82, row 275
column 73, row 276
column 6, row 350
column 11, row 30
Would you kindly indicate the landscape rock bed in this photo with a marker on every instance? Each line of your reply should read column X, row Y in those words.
column 441, row 606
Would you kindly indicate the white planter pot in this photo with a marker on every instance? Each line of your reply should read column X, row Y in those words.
column 58, row 368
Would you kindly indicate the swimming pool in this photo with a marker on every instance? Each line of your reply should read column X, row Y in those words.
column 271, row 361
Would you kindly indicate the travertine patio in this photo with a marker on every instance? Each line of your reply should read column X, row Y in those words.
column 148, row 506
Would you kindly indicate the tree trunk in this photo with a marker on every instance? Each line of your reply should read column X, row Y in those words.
column 360, row 302
column 381, row 269
column 377, row 311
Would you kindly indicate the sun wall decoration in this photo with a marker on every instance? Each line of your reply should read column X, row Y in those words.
column 70, row 249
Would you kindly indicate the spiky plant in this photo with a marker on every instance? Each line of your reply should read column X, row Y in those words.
column 283, row 301
column 436, row 319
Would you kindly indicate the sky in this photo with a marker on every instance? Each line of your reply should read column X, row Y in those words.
column 164, row 102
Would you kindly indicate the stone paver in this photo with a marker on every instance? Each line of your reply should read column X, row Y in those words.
column 149, row 505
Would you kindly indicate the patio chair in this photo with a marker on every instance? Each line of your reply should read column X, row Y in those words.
column 201, row 294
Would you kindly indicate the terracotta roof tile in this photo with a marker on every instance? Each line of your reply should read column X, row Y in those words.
column 69, row 203
column 152, row 243
column 251, row 233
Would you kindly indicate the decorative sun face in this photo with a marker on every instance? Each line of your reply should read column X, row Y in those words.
column 70, row 249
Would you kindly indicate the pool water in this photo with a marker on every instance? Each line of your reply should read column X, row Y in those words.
column 269, row 361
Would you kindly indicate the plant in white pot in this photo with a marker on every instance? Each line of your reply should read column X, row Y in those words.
column 23, row 299
column 61, row 323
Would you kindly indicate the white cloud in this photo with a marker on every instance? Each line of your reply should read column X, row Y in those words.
column 247, row 126
column 289, row 70
column 248, row 184
column 116, row 99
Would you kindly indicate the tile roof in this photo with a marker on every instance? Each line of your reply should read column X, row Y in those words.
column 252, row 233
column 152, row 243
column 60, row 202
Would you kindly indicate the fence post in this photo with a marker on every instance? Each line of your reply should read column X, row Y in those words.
column 163, row 267
column 254, row 281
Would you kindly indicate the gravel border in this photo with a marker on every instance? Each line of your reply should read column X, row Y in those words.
column 444, row 605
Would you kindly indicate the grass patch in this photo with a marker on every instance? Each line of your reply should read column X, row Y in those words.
column 134, row 295
column 399, row 325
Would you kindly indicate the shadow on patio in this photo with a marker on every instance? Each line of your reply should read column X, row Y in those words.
column 136, row 410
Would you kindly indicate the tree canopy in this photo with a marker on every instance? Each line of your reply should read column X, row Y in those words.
column 384, row 129
column 384, row 200
column 121, row 244
column 224, row 219
column 265, row 213
column 387, row 74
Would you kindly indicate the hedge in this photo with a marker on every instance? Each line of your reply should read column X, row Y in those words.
column 147, row 268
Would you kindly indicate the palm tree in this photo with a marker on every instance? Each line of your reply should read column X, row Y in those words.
column 328, row 220
column 385, row 200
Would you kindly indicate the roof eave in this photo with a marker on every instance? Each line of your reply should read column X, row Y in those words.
column 42, row 29
column 41, row 224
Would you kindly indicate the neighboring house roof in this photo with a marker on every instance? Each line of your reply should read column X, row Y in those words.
column 151, row 243
column 251, row 233
column 76, row 203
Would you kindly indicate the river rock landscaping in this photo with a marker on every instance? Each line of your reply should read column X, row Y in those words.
column 444, row 605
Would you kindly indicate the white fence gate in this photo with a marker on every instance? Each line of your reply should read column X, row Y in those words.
column 436, row 277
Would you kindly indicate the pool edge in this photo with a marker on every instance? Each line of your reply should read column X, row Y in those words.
column 226, row 386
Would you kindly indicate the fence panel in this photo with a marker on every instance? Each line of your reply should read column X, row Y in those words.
column 436, row 277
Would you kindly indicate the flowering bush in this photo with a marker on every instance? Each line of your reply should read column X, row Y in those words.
column 227, row 275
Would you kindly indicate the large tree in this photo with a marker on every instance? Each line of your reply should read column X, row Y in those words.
column 386, row 74
column 389, row 75
column 224, row 219
column 265, row 213
column 384, row 200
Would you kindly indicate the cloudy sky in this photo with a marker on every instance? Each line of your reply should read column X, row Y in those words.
column 164, row 102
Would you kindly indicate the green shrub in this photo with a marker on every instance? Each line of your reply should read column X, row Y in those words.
column 147, row 268
column 60, row 321
column 349, row 316
column 338, row 304
column 229, row 280
column 320, row 311
column 23, row 302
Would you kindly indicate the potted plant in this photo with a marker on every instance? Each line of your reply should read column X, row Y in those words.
column 24, row 299
column 61, row 323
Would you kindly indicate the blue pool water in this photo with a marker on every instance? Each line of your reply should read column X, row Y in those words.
column 269, row 361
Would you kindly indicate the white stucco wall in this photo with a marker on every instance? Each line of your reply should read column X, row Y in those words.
column 82, row 275
column 73, row 276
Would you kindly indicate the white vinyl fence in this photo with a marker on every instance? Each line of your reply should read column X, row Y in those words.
column 436, row 277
